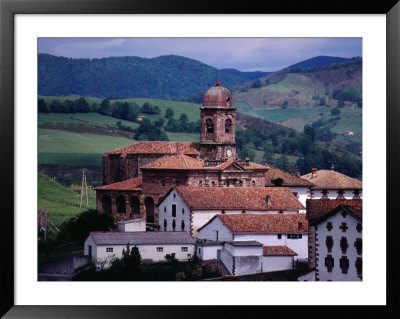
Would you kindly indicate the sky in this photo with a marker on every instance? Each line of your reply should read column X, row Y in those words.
column 244, row 54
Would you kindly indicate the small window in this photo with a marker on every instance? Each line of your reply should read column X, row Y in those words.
column 228, row 124
column 253, row 183
column 358, row 265
column 344, row 264
column 183, row 211
column 329, row 226
column 199, row 251
column 359, row 228
column 173, row 225
column 344, row 244
column 329, row 262
column 200, row 183
column 329, row 243
column 210, row 126
column 279, row 236
column 343, row 227
column 268, row 200
column 165, row 225
column 174, row 195
column 184, row 249
column 173, row 210
column 109, row 249
column 165, row 209
column 294, row 236
column 160, row 249
column 358, row 245
column 213, row 184
column 163, row 183
column 183, row 225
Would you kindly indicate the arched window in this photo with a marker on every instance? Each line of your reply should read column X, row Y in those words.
column 165, row 225
column 121, row 205
column 210, row 126
column 183, row 225
column 135, row 205
column 106, row 204
column 228, row 124
column 173, row 225
column 149, row 204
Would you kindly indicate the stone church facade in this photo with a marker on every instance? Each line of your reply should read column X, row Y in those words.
column 136, row 176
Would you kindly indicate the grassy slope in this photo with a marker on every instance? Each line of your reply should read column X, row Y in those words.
column 61, row 202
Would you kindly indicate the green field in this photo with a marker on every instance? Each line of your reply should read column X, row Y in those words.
column 61, row 202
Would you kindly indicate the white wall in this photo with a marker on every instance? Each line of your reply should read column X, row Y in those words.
column 208, row 252
column 277, row 263
column 302, row 194
column 133, row 226
column 300, row 246
column 351, row 234
column 244, row 250
column 148, row 252
column 227, row 259
column 333, row 193
column 210, row 232
column 89, row 242
column 167, row 215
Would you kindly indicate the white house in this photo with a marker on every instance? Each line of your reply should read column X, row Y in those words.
column 329, row 184
column 336, row 239
column 290, row 230
column 153, row 246
column 300, row 187
column 187, row 209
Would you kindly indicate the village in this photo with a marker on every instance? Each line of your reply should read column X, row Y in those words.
column 238, row 218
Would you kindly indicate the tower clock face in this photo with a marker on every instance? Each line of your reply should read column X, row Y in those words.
column 229, row 153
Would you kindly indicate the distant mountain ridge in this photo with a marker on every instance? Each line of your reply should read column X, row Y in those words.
column 322, row 60
column 164, row 77
column 252, row 75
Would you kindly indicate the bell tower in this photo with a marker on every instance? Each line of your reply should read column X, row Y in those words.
column 217, row 132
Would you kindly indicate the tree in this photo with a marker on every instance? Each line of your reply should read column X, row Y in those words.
column 184, row 118
column 340, row 103
column 131, row 257
column 267, row 81
column 81, row 105
column 169, row 113
column 105, row 107
column 256, row 84
column 335, row 111
column 285, row 104
column 309, row 131
column 282, row 163
column 322, row 101
column 56, row 106
column 42, row 106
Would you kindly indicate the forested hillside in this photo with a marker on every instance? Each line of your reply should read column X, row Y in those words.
column 164, row 77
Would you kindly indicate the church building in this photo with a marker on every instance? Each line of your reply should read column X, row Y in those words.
column 136, row 176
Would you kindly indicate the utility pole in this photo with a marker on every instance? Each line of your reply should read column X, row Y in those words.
column 84, row 185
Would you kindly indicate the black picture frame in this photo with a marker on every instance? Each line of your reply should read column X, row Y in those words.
column 9, row 8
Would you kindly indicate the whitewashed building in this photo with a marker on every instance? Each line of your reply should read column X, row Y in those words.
column 329, row 184
column 289, row 230
column 336, row 243
column 301, row 188
column 103, row 247
column 187, row 208
column 132, row 225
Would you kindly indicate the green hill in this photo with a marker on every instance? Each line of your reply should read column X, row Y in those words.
column 163, row 77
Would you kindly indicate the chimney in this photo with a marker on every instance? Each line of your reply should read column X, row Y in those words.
column 247, row 161
column 313, row 172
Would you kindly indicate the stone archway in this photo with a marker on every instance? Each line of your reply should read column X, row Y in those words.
column 135, row 206
column 106, row 204
column 149, row 204
column 121, row 205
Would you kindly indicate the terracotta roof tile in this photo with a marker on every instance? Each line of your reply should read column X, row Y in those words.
column 265, row 223
column 351, row 210
column 278, row 251
column 252, row 198
column 316, row 208
column 288, row 179
column 129, row 185
column 175, row 162
column 329, row 179
column 159, row 147
column 230, row 162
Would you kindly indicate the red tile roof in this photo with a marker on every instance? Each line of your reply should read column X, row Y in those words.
column 278, row 251
column 317, row 208
column 329, row 179
column 128, row 185
column 159, row 147
column 175, row 162
column 288, row 179
column 265, row 223
column 252, row 198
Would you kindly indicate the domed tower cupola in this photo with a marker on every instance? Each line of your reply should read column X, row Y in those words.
column 218, row 117
column 218, row 96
